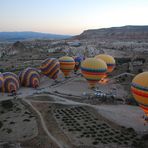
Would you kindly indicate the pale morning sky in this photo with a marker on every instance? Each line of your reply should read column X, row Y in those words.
column 70, row 16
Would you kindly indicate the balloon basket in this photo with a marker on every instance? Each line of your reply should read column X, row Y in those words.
column 66, row 77
column 145, row 117
column 91, row 87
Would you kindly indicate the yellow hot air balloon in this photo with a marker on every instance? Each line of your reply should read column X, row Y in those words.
column 67, row 64
column 139, row 88
column 109, row 60
column 93, row 70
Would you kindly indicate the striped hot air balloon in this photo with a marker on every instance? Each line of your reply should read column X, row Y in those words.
column 139, row 88
column 93, row 70
column 109, row 60
column 29, row 77
column 50, row 67
column 11, row 82
column 67, row 64
column 1, row 80
column 78, row 61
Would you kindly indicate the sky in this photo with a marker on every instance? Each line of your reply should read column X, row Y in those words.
column 70, row 16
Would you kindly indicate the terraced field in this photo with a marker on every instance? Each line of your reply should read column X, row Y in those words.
column 81, row 126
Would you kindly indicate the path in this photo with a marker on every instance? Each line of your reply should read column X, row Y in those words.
column 43, row 123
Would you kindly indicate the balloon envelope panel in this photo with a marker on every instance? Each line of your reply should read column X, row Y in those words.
column 109, row 60
column 11, row 82
column 93, row 70
column 67, row 64
column 30, row 77
column 139, row 88
column 1, row 80
column 50, row 67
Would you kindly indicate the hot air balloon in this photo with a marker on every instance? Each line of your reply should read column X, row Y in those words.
column 50, row 67
column 67, row 64
column 78, row 61
column 139, row 88
column 1, row 80
column 29, row 77
column 93, row 70
column 10, row 83
column 109, row 60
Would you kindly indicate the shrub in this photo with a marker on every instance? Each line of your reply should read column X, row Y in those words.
column 1, row 124
column 7, row 104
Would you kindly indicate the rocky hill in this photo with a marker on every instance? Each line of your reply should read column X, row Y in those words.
column 15, row 36
column 18, row 46
column 139, row 33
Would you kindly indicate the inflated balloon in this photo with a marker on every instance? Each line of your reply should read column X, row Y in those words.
column 139, row 88
column 1, row 80
column 50, row 67
column 93, row 70
column 29, row 77
column 78, row 61
column 109, row 60
column 67, row 64
column 11, row 82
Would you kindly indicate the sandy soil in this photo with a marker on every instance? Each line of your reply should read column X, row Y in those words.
column 51, row 124
column 122, row 114
column 125, row 115
column 76, row 126
column 41, row 140
column 74, row 92
column 15, row 120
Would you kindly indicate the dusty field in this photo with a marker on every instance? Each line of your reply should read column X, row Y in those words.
column 20, row 127
column 74, row 115
column 16, row 119
column 41, row 140
column 77, row 126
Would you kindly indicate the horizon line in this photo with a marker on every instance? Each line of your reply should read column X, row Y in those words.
column 1, row 31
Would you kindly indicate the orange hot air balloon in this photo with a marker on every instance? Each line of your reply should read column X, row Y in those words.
column 93, row 70
column 67, row 64
column 139, row 88
column 109, row 60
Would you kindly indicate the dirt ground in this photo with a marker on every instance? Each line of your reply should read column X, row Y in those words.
column 77, row 126
column 73, row 115
column 15, row 120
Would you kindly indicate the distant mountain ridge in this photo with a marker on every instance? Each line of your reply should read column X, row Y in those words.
column 116, row 33
column 14, row 36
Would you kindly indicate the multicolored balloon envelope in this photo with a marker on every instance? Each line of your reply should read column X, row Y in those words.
column 30, row 77
column 11, row 82
column 93, row 70
column 109, row 60
column 67, row 64
column 1, row 80
column 139, row 88
column 50, row 67
column 78, row 61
